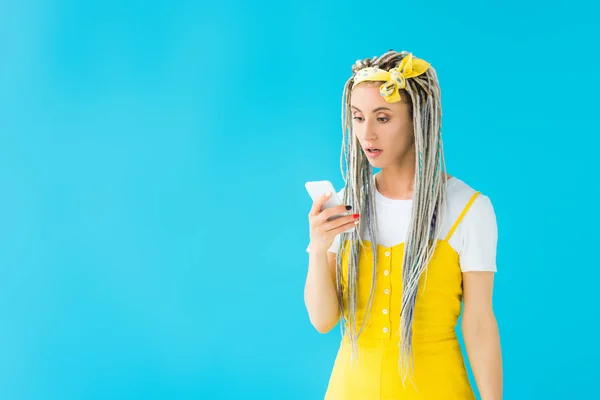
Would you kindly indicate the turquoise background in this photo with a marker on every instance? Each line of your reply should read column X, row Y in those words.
column 153, row 216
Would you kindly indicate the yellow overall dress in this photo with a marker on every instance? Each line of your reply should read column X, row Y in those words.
column 439, row 369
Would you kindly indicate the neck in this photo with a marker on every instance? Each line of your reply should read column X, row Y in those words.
column 398, row 181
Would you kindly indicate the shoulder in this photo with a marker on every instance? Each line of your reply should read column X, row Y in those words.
column 476, row 235
column 459, row 194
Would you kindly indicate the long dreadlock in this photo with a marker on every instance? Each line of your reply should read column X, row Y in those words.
column 429, row 197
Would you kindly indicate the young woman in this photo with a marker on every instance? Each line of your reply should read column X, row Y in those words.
column 424, row 248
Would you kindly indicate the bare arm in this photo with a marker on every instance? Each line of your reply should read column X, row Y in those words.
column 320, row 296
column 320, row 293
column 480, row 331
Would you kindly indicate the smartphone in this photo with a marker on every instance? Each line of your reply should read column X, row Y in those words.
column 318, row 188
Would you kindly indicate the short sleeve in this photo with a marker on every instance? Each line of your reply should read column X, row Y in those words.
column 336, row 240
column 479, row 237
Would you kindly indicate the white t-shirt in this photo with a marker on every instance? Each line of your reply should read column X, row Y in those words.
column 475, row 239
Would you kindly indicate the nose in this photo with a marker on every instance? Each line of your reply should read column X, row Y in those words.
column 367, row 133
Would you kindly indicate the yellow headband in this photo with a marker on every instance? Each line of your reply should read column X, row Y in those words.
column 395, row 79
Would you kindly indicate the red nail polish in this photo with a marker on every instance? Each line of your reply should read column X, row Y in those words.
column 356, row 216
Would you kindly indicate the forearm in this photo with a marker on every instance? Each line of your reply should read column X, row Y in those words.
column 320, row 295
column 482, row 341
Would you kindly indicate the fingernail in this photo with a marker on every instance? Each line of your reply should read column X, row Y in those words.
column 328, row 194
column 348, row 207
column 356, row 216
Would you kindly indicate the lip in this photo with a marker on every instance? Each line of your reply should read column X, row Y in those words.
column 373, row 155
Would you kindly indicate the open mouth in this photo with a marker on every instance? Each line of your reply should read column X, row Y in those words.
column 372, row 152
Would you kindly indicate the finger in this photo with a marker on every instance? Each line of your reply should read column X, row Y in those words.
column 344, row 227
column 335, row 211
column 318, row 203
column 342, row 221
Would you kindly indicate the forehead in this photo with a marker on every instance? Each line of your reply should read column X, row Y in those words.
column 366, row 97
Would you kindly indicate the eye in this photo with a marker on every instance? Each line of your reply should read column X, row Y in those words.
column 359, row 119
column 382, row 119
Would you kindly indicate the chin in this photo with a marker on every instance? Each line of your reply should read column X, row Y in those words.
column 376, row 161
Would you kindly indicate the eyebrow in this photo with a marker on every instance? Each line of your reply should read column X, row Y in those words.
column 374, row 110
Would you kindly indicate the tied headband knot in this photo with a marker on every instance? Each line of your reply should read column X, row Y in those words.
column 395, row 79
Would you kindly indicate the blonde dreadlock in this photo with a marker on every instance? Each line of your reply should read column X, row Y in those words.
column 422, row 93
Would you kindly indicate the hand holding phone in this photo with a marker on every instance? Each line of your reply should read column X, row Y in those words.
column 328, row 216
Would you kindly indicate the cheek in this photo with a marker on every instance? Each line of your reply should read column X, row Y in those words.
column 357, row 131
column 398, row 130
column 400, row 135
column 406, row 129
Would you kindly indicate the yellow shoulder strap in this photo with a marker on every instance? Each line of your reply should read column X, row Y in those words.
column 462, row 214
